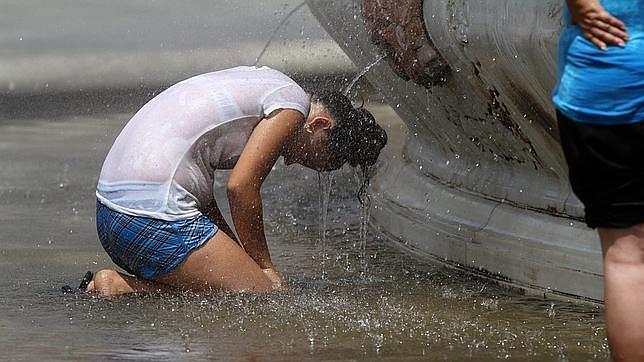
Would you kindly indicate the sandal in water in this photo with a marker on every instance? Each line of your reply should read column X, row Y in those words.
column 83, row 284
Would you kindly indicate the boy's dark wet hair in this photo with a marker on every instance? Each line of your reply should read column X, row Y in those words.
column 355, row 138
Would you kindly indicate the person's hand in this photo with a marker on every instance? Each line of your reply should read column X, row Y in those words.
column 275, row 278
column 596, row 24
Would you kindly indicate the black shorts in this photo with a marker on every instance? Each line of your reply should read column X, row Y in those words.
column 606, row 170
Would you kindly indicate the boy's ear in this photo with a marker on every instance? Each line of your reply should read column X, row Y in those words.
column 320, row 122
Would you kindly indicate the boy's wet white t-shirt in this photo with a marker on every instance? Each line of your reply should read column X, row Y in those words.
column 162, row 164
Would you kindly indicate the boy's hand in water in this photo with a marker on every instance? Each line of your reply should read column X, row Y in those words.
column 276, row 279
column 596, row 24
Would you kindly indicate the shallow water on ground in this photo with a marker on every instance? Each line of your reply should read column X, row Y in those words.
column 401, row 308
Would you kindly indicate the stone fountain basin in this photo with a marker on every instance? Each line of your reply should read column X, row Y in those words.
column 479, row 180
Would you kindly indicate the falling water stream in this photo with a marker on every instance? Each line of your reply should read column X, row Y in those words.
column 277, row 28
column 325, row 180
column 365, row 208
column 364, row 177
column 324, row 183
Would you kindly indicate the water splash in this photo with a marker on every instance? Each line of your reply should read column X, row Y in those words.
column 324, row 184
column 361, row 74
column 277, row 28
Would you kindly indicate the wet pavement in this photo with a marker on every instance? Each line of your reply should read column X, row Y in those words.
column 399, row 308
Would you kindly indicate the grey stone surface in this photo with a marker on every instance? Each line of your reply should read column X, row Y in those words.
column 64, row 46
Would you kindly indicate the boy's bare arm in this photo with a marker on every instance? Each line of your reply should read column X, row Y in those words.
column 257, row 159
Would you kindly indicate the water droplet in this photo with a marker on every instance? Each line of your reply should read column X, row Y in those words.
column 551, row 310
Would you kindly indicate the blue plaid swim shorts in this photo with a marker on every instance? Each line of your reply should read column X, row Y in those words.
column 146, row 247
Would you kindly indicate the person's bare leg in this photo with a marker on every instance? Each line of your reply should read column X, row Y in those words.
column 109, row 282
column 623, row 251
column 219, row 264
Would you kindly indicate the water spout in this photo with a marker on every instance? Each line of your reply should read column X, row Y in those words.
column 361, row 74
column 277, row 28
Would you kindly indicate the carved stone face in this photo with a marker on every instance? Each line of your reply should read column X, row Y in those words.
column 398, row 29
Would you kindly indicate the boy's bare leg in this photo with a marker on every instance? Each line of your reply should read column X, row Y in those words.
column 108, row 282
column 219, row 264
column 623, row 251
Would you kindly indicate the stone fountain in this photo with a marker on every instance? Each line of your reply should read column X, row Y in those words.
column 480, row 182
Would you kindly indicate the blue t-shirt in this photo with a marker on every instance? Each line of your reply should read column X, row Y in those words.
column 603, row 86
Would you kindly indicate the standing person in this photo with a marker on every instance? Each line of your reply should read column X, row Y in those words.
column 156, row 214
column 600, row 108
